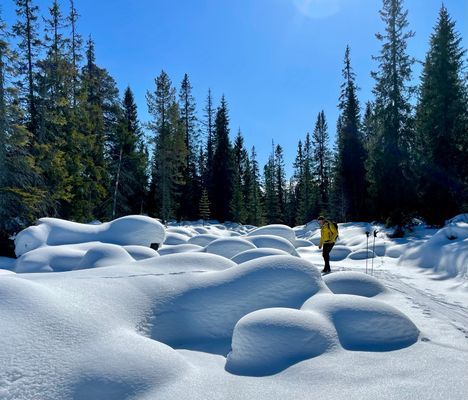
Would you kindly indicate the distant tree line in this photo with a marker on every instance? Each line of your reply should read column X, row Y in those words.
column 72, row 147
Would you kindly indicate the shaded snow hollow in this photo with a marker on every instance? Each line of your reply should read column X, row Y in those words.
column 119, row 320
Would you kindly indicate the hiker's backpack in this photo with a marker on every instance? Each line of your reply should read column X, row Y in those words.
column 336, row 227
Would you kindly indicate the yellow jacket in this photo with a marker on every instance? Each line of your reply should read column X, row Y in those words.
column 329, row 233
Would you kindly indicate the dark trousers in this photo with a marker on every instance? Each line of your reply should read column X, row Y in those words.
column 327, row 247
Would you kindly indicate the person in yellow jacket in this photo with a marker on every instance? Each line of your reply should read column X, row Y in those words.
column 328, row 237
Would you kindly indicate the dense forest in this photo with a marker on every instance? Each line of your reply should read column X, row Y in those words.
column 73, row 147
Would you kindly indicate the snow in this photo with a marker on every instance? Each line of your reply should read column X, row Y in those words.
column 229, row 247
column 268, row 341
column 130, row 230
column 178, row 248
column 273, row 242
column 252, row 254
column 227, row 314
column 283, row 231
column 356, row 283
column 365, row 324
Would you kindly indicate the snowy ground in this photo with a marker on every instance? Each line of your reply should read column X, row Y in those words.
column 233, row 312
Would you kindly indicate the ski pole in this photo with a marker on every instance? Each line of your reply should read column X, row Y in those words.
column 373, row 252
column 367, row 248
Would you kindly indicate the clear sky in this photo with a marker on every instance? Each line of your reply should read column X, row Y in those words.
column 278, row 62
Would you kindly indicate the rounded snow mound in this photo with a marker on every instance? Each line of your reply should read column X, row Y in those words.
column 268, row 341
column 181, row 231
column 193, row 317
column 361, row 254
column 187, row 262
column 273, row 242
column 302, row 243
column 283, row 231
column 141, row 252
column 339, row 253
column 256, row 253
column 104, row 255
column 357, row 283
column 203, row 239
column 229, row 247
column 365, row 324
column 6, row 272
column 173, row 238
column 179, row 248
column 130, row 230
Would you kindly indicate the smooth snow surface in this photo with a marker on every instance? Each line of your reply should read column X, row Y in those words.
column 135, row 229
column 226, row 311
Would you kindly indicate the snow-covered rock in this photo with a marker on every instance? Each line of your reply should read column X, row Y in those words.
column 185, row 262
column 179, row 248
column 229, row 247
column 356, row 283
column 365, row 324
column 256, row 253
column 283, row 231
column 203, row 239
column 273, row 242
column 173, row 238
column 361, row 254
column 339, row 253
column 193, row 317
column 129, row 230
column 268, row 341
column 141, row 252
column 104, row 255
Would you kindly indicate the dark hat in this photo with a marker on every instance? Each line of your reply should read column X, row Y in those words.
column 321, row 218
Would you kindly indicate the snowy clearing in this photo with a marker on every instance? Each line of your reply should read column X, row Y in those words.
column 229, row 311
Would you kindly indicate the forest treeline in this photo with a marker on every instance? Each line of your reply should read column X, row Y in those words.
column 72, row 146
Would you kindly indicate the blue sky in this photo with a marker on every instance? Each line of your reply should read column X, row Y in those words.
column 278, row 62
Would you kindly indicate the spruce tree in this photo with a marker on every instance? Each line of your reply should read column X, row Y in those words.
column 254, row 205
column 169, row 158
column 441, row 126
column 204, row 206
column 240, row 159
column 191, row 191
column 321, row 162
column 128, row 161
column 208, row 124
column 75, row 44
column 21, row 201
column 351, row 154
column 26, row 30
column 221, row 190
column 389, row 171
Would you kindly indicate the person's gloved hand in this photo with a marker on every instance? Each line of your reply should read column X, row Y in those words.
column 320, row 247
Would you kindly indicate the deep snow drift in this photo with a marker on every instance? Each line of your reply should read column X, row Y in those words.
column 92, row 312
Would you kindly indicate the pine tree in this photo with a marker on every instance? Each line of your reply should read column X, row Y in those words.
column 441, row 125
column 389, row 172
column 221, row 191
column 351, row 154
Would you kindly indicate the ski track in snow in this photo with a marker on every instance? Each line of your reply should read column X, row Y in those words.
column 431, row 305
